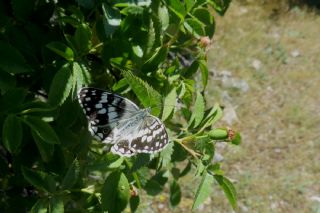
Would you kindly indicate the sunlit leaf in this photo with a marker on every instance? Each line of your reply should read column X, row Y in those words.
column 115, row 193
column 228, row 189
column 204, row 190
column 61, row 86
column 61, row 49
column 169, row 104
column 145, row 93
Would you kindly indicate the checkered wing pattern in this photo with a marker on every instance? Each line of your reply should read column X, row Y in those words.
column 151, row 137
column 116, row 120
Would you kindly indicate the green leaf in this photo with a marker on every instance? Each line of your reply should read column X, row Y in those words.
column 81, row 75
column 111, row 19
column 82, row 38
column 169, row 104
column 198, row 112
column 237, row 139
column 192, row 69
column 132, row 10
column 228, row 189
column 145, row 93
column 163, row 15
column 186, row 170
column 155, row 60
column 41, row 206
column 71, row 176
column 220, row 6
column 194, row 27
column 61, row 49
column 11, row 60
column 56, row 205
column 178, row 8
column 204, row 73
column 165, row 156
column 61, row 86
column 39, row 179
column 175, row 193
column 115, row 193
column 134, row 203
column 141, row 160
column 204, row 190
column 42, row 129
column 12, row 134
column 46, row 150
column 211, row 116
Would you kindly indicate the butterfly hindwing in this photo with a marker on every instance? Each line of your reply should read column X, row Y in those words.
column 151, row 137
column 116, row 120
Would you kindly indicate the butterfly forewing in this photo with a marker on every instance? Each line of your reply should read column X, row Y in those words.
column 117, row 120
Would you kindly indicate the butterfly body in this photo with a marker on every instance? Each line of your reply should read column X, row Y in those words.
column 116, row 120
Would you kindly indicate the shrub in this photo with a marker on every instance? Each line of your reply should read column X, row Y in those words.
column 148, row 51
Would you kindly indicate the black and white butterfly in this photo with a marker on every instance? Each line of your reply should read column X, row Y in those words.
column 116, row 120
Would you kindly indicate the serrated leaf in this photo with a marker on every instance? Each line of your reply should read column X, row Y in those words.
column 81, row 75
column 163, row 15
column 61, row 49
column 169, row 104
column 71, row 176
column 198, row 111
column 46, row 150
column 11, row 60
column 39, row 179
column 220, row 6
column 204, row 190
column 165, row 156
column 175, row 193
column 178, row 8
column 228, row 189
column 42, row 129
column 155, row 60
column 115, row 193
column 211, row 116
column 111, row 19
column 194, row 27
column 204, row 73
column 61, row 86
column 12, row 134
column 41, row 206
column 145, row 93
column 56, row 205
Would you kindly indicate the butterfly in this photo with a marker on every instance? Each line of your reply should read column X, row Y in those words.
column 117, row 121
